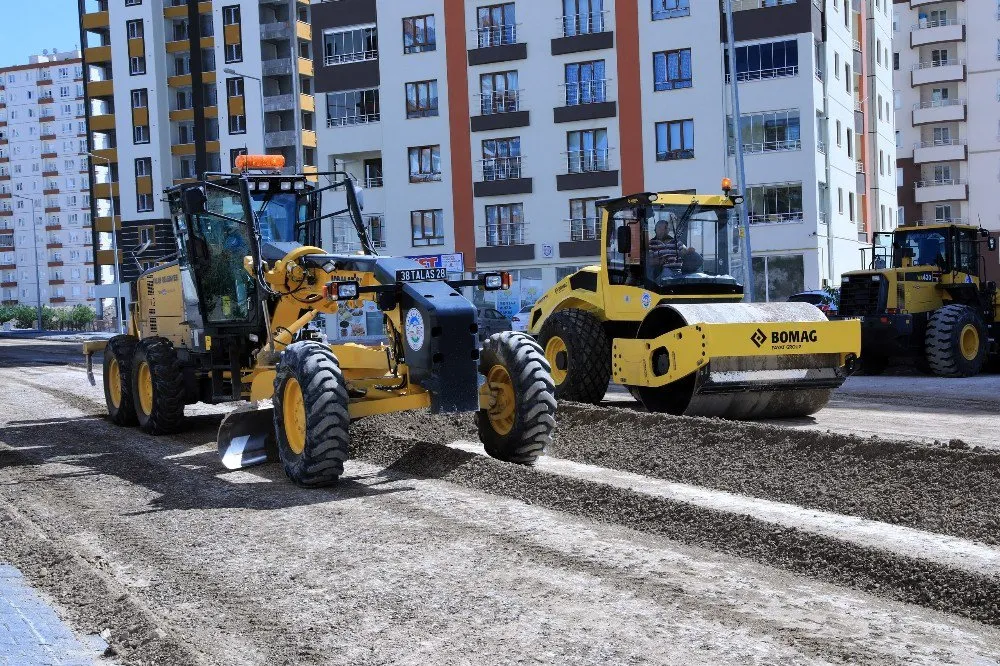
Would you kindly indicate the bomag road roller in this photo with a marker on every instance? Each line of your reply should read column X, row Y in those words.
column 930, row 294
column 229, row 321
column 662, row 315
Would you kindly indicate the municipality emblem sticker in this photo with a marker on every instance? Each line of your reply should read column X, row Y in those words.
column 646, row 300
column 414, row 329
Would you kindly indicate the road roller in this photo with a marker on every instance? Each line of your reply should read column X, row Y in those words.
column 663, row 315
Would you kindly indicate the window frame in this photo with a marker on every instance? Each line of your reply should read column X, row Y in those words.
column 680, row 82
column 147, row 163
column 668, row 153
column 680, row 9
column 433, row 153
column 429, row 44
column 437, row 227
column 430, row 86
column 137, row 132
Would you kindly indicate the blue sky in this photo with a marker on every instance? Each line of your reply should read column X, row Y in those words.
column 35, row 25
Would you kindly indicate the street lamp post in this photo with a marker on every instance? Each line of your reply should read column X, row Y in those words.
column 119, row 314
column 260, row 89
column 34, row 241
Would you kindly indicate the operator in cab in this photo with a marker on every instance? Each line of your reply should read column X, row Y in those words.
column 667, row 256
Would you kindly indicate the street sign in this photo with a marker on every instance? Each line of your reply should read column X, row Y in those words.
column 453, row 263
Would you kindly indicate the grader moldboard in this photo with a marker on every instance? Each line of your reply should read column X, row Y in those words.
column 662, row 316
column 229, row 321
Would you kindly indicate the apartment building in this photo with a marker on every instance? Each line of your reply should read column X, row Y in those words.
column 175, row 88
column 947, row 105
column 45, row 222
column 486, row 131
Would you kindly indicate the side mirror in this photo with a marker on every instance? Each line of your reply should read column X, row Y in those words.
column 992, row 243
column 195, row 200
column 624, row 239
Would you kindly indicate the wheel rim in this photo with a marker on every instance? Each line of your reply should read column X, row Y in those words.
column 114, row 383
column 969, row 342
column 502, row 412
column 557, row 355
column 145, row 388
column 293, row 409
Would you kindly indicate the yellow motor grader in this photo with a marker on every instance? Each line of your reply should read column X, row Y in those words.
column 662, row 315
column 229, row 321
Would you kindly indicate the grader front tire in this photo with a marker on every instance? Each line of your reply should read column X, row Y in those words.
column 579, row 352
column 311, row 417
column 157, row 387
column 955, row 342
column 518, row 426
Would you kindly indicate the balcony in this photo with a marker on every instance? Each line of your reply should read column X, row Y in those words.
column 276, row 67
column 940, row 111
column 937, row 71
column 499, row 110
column 792, row 217
column 96, row 20
column 744, row 5
column 276, row 30
column 501, row 176
column 96, row 54
column 505, row 241
column 102, row 122
column 924, row 3
column 279, row 103
column 931, row 191
column 942, row 150
column 587, row 169
column 357, row 119
column 935, row 32
column 583, row 32
column 281, row 139
column 101, row 88
column 585, row 100
column 496, row 43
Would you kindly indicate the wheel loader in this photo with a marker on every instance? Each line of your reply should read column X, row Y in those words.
column 662, row 316
column 929, row 294
column 228, row 321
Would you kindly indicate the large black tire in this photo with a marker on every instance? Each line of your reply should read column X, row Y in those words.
column 313, row 437
column 955, row 343
column 118, row 379
column 163, row 412
column 581, row 362
column 518, row 428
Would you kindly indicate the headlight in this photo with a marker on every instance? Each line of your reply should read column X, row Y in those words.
column 286, row 186
column 493, row 282
column 300, row 184
column 346, row 291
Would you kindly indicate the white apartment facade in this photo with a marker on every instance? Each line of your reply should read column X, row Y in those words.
column 489, row 129
column 45, row 221
column 148, row 117
column 947, row 101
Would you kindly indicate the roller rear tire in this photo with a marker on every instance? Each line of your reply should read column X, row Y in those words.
column 579, row 352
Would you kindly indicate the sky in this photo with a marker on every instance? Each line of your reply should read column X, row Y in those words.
column 36, row 25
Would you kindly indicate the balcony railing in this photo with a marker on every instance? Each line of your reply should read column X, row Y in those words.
column 505, row 233
column 743, row 5
column 586, row 161
column 359, row 119
column 938, row 142
column 584, row 228
column 496, row 35
column 341, row 58
column 821, row 147
column 373, row 181
column 501, row 168
column 586, row 92
column 856, row 44
column 939, row 63
column 936, row 24
column 775, row 146
column 582, row 24
column 943, row 220
column 762, row 74
column 859, row 167
column 938, row 183
column 776, row 218
column 508, row 101
column 939, row 103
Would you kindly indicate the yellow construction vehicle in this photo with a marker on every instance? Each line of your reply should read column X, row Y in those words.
column 229, row 321
column 930, row 294
column 662, row 316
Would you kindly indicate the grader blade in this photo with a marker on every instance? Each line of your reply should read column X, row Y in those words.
column 246, row 438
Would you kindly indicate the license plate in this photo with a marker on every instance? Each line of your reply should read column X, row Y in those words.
column 421, row 274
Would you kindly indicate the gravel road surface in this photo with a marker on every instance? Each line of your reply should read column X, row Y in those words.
column 644, row 539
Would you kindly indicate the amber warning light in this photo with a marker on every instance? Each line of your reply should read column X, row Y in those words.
column 245, row 162
column 727, row 184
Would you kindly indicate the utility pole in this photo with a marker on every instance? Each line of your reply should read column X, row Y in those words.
column 741, row 176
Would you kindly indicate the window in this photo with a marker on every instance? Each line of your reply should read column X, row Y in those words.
column 425, row 164
column 502, row 158
column 234, row 52
column 351, row 45
column 373, row 172
column 850, row 143
column 897, row 100
column 134, row 29
column 582, row 17
column 770, row 60
column 136, row 65
column 585, row 83
column 672, row 69
column 352, row 107
column 668, row 9
column 144, row 203
column 899, row 177
column 850, row 205
column 584, row 220
column 421, row 99
column 234, row 87
column 419, row 34
column 895, row 60
column 427, row 227
column 498, row 92
column 147, row 234
column 879, row 105
column 767, row 132
column 139, row 99
column 144, row 167
column 775, row 204
column 587, row 150
column 231, row 15
column 140, row 134
column 237, row 124
column 675, row 140
column 778, row 277
column 505, row 224
column 496, row 25
column 939, row 57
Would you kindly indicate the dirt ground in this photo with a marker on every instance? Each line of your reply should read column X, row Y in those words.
column 641, row 539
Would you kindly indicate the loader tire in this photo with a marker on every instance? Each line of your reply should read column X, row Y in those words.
column 955, row 342
column 579, row 351
column 118, row 380
column 157, row 387
column 311, row 418
column 518, row 427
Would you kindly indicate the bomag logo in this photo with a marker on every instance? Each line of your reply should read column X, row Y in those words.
column 758, row 338
column 784, row 339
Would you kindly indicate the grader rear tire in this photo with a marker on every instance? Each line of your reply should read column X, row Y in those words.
column 157, row 387
column 579, row 352
column 518, row 427
column 311, row 418
column 955, row 342
column 118, row 380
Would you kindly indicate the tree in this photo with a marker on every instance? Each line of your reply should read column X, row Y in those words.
column 25, row 316
column 81, row 316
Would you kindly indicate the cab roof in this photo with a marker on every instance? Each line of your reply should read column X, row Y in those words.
column 663, row 198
